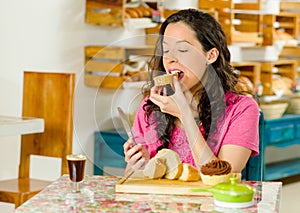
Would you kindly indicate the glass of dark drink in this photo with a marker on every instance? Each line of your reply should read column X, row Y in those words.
column 77, row 195
column 76, row 164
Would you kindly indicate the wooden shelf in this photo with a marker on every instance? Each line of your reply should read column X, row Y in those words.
column 292, row 5
column 250, row 70
column 292, row 53
column 286, row 68
column 288, row 22
column 105, row 12
column 249, row 31
column 104, row 65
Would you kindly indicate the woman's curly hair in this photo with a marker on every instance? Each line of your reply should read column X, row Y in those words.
column 211, row 95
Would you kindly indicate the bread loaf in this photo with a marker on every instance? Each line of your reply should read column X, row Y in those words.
column 173, row 163
column 155, row 168
column 189, row 173
column 244, row 84
column 132, row 13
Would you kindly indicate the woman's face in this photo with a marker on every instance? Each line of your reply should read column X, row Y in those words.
column 183, row 53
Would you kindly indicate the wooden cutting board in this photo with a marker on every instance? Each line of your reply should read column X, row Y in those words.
column 161, row 186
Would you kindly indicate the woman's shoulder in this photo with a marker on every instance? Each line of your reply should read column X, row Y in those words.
column 241, row 102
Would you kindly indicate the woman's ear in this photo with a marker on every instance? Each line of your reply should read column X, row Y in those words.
column 212, row 55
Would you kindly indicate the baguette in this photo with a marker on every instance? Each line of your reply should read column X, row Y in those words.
column 173, row 163
column 155, row 168
column 189, row 173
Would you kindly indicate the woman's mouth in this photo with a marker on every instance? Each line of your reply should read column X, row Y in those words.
column 178, row 72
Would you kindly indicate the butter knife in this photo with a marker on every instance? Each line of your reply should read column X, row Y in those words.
column 129, row 133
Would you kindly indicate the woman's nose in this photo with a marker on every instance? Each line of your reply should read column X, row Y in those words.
column 170, row 57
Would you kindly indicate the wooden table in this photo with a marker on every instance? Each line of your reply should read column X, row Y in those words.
column 18, row 126
column 267, row 198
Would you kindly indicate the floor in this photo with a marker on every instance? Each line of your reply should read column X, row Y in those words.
column 290, row 195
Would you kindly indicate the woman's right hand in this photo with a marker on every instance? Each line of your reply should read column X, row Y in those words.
column 175, row 104
column 136, row 156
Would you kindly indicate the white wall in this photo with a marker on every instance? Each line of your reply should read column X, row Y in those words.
column 50, row 35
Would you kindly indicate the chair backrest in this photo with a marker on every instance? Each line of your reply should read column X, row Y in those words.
column 254, row 169
column 49, row 96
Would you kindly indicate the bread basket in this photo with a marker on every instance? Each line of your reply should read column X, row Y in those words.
column 274, row 109
column 294, row 106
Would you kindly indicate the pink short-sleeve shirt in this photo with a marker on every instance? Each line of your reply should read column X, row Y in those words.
column 240, row 127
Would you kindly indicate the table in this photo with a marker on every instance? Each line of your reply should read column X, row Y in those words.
column 20, row 125
column 267, row 199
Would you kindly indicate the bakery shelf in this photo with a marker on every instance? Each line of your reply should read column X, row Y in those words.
column 283, row 27
column 292, row 53
column 285, row 68
column 251, row 70
column 229, row 12
column 105, row 12
column 289, row 5
column 105, row 65
column 117, row 13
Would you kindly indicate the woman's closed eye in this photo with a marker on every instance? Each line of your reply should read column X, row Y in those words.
column 183, row 50
column 166, row 51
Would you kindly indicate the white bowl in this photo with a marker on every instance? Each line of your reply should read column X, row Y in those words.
column 273, row 110
column 294, row 106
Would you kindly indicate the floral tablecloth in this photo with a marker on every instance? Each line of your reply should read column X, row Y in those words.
column 267, row 199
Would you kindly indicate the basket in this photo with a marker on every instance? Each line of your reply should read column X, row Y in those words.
column 294, row 106
column 273, row 110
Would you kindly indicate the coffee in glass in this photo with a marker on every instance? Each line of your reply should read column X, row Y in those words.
column 76, row 164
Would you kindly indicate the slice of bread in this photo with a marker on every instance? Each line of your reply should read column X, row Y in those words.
column 189, row 173
column 155, row 168
column 173, row 163
column 165, row 79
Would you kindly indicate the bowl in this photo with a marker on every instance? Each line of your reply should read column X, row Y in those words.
column 274, row 109
column 294, row 106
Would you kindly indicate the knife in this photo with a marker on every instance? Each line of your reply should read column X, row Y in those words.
column 129, row 133
column 126, row 124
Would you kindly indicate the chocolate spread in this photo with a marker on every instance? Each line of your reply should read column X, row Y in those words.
column 216, row 167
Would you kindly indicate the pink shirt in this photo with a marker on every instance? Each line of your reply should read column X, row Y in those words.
column 240, row 128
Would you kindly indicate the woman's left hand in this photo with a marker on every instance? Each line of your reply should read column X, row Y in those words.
column 174, row 104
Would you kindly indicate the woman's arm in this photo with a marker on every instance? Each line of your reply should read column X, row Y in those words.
column 236, row 155
column 201, row 152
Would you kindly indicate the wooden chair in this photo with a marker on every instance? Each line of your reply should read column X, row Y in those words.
column 48, row 96
column 254, row 169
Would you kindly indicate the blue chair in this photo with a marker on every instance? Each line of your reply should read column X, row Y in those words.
column 254, row 169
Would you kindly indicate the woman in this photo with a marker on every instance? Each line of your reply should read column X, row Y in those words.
column 206, row 117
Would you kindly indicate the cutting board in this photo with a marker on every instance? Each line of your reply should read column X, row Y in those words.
column 161, row 186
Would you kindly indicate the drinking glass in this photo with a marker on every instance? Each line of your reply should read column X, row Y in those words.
column 76, row 165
